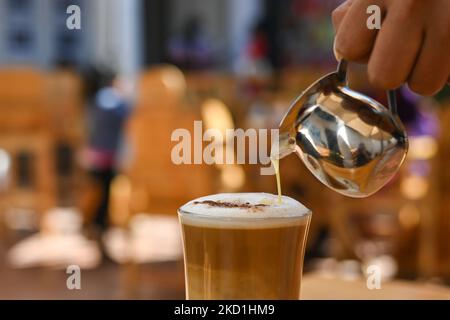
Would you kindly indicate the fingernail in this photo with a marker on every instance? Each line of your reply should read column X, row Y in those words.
column 337, row 55
column 344, row 5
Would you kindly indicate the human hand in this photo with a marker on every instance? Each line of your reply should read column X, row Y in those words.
column 413, row 44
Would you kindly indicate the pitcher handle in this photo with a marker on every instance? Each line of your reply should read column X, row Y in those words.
column 391, row 94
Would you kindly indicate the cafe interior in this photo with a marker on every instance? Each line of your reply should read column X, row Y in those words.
column 87, row 177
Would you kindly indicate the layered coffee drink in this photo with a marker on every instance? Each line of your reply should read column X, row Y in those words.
column 244, row 246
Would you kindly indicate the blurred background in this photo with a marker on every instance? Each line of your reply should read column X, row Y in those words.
column 86, row 120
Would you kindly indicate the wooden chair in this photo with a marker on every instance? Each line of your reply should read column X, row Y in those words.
column 23, row 100
column 65, row 92
column 68, row 126
column 26, row 135
column 160, row 185
column 31, row 176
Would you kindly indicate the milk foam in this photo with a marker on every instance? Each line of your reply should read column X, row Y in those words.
column 228, row 206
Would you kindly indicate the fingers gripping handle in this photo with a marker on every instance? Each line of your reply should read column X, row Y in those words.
column 391, row 94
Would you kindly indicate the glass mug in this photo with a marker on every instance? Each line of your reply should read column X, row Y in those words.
column 243, row 257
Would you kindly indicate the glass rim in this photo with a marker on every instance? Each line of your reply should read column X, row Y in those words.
column 180, row 212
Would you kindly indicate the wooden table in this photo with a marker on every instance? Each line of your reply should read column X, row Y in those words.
column 320, row 287
column 166, row 281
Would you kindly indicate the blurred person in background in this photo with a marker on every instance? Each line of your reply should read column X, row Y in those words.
column 190, row 49
column 256, row 60
column 254, row 64
column 107, row 112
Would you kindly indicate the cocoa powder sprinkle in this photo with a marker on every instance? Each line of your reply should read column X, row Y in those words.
column 222, row 204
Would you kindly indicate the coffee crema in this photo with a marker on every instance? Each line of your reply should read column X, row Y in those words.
column 221, row 204
column 244, row 205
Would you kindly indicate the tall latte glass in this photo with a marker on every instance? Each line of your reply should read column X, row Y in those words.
column 244, row 246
